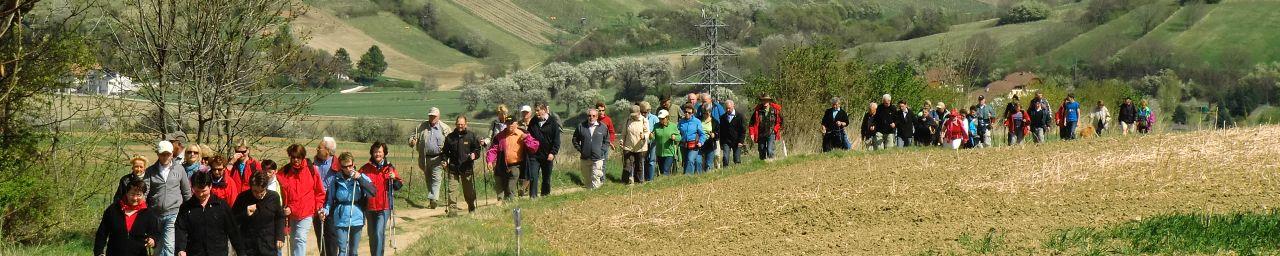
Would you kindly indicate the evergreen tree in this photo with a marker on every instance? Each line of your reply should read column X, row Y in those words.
column 371, row 66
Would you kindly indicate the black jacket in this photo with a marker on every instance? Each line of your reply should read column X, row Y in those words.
column 1041, row 119
column 885, row 118
column 1128, row 113
column 205, row 230
column 458, row 147
column 112, row 239
column 122, row 186
column 731, row 132
column 547, row 134
column 906, row 123
column 262, row 229
column 832, row 116
column 868, row 121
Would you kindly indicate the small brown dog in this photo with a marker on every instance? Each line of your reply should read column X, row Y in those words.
column 1087, row 131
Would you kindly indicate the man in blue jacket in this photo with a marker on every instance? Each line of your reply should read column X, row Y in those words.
column 691, row 139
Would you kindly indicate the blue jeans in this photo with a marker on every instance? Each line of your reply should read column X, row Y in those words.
column 348, row 239
column 766, row 147
column 298, row 236
column 165, row 242
column 708, row 156
column 376, row 222
column 731, row 150
column 692, row 161
column 664, row 164
column 651, row 163
column 1069, row 131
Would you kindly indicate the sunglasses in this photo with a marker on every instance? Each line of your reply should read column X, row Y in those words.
column 193, row 152
column 241, row 151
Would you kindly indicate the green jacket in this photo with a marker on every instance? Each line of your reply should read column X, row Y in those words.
column 662, row 134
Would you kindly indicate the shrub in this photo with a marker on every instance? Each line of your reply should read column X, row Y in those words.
column 370, row 130
column 1180, row 114
column 1026, row 11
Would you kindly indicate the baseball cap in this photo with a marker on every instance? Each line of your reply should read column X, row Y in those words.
column 164, row 146
column 663, row 113
column 526, row 108
column 434, row 112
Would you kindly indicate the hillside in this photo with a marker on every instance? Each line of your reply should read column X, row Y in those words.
column 1224, row 32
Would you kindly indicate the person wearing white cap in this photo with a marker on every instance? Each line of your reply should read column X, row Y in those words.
column 169, row 187
column 666, row 135
column 526, row 116
column 428, row 140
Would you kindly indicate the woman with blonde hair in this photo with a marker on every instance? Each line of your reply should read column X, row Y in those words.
column 138, row 168
column 194, row 159
column 499, row 122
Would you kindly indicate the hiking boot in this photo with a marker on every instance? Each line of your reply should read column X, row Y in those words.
column 432, row 205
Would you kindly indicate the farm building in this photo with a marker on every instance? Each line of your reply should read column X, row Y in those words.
column 107, row 82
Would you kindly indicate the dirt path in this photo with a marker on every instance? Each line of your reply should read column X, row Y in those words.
column 412, row 223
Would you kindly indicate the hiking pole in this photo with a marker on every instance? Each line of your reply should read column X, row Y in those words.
column 391, row 216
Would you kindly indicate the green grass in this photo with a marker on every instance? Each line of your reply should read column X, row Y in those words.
column 505, row 47
column 568, row 12
column 392, row 32
column 1244, row 233
column 391, row 103
column 1241, row 26
column 1108, row 39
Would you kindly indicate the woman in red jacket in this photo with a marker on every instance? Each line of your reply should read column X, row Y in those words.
column 1019, row 124
column 303, row 194
column 954, row 130
column 385, row 178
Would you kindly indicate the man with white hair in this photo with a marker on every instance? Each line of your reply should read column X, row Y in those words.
column 428, row 140
column 885, row 123
column 732, row 134
column 591, row 141
column 169, row 187
column 706, row 105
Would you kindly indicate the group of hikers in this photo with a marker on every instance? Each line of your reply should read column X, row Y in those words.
column 191, row 200
column 887, row 125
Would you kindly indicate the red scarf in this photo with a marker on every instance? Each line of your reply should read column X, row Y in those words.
column 128, row 218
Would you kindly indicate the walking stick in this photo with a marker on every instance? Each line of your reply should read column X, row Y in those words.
column 391, row 216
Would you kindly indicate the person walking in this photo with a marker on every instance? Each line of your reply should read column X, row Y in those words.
column 925, row 126
column 303, row 193
column 461, row 149
column 905, row 122
column 346, row 201
column 766, row 126
column 506, row 157
column 1071, row 117
column 499, row 123
column 708, row 106
column 138, row 168
column 651, row 157
column 955, row 133
column 194, row 160
column 545, row 128
column 1128, row 116
column 1017, row 124
column 692, row 137
column 223, row 186
column 667, row 136
column 612, row 137
column 205, row 225
column 732, row 135
column 591, row 139
column 885, row 126
column 428, row 140
column 169, row 187
column 326, row 158
column 1146, row 119
column 1101, row 117
column 384, row 179
column 869, row 126
column 833, row 123
column 260, row 217
column 243, row 164
column 1040, row 120
column 707, row 152
column 985, row 116
column 127, row 226
column 941, row 116
column 635, row 145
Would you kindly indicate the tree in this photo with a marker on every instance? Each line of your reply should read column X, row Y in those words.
column 598, row 70
column 531, row 87
column 638, row 76
column 563, row 77
column 1180, row 115
column 371, row 65
column 979, row 56
column 1025, row 11
column 207, row 62
column 342, row 60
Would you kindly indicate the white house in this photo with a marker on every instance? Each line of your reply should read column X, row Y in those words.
column 107, row 82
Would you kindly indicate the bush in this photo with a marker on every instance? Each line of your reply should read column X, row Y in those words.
column 1026, row 11
column 370, row 130
column 1180, row 115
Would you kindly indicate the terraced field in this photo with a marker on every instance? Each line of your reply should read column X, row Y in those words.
column 511, row 18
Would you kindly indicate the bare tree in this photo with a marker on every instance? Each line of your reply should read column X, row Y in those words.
column 212, row 62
